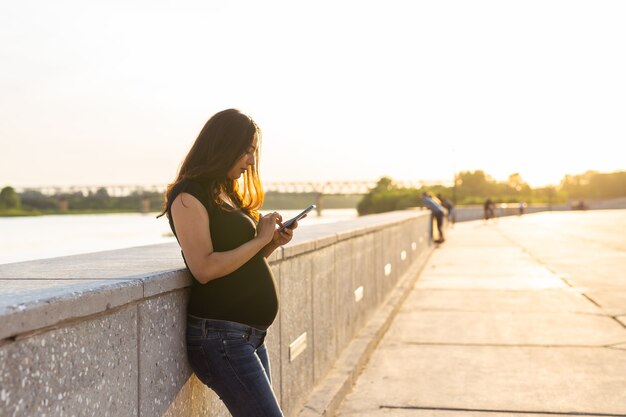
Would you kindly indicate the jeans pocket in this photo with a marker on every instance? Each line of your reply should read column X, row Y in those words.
column 242, row 358
column 199, row 363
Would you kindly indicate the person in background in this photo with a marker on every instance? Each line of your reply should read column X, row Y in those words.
column 489, row 209
column 447, row 204
column 213, row 210
column 438, row 212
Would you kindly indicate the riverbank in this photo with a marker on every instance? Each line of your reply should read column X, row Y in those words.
column 273, row 202
column 33, row 213
column 19, row 213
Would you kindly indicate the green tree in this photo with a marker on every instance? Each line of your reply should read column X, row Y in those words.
column 35, row 200
column 595, row 185
column 384, row 184
column 474, row 184
column 607, row 185
column 9, row 198
column 518, row 185
column 386, row 196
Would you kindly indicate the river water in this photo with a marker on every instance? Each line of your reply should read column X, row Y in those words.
column 28, row 238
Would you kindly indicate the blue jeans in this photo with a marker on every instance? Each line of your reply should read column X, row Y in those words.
column 231, row 359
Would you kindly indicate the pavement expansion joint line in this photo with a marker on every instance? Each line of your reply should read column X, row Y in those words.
column 618, row 321
column 588, row 297
column 565, row 280
column 511, row 313
column 537, row 259
column 511, row 345
column 481, row 410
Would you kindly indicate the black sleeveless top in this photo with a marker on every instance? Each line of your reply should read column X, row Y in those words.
column 247, row 295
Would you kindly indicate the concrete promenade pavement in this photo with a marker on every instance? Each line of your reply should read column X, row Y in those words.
column 521, row 316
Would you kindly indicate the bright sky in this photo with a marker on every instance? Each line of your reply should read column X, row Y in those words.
column 114, row 92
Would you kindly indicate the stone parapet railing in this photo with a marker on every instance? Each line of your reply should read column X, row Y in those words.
column 476, row 212
column 102, row 334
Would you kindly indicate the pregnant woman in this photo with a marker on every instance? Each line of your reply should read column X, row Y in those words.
column 213, row 210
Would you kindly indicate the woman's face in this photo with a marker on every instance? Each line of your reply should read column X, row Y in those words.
column 244, row 161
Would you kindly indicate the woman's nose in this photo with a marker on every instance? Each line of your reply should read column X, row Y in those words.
column 251, row 160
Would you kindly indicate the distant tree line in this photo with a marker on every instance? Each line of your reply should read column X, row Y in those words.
column 470, row 187
column 35, row 202
column 31, row 202
column 474, row 187
column 595, row 186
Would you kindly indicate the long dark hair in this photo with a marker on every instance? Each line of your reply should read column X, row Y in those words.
column 223, row 140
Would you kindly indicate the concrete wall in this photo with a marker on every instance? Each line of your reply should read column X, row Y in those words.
column 613, row 204
column 103, row 334
column 468, row 213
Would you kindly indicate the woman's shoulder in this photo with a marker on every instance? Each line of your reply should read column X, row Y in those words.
column 194, row 188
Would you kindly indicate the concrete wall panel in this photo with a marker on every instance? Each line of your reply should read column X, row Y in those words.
column 88, row 368
column 344, row 292
column 324, row 310
column 388, row 261
column 365, row 285
column 296, row 325
column 379, row 266
column 163, row 366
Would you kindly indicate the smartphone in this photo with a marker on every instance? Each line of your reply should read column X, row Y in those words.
column 295, row 219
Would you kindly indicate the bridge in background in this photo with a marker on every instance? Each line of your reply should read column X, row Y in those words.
column 321, row 187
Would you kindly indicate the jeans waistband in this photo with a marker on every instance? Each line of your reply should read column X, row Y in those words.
column 224, row 325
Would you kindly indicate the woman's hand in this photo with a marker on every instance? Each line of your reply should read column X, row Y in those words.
column 284, row 237
column 266, row 229
column 280, row 238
